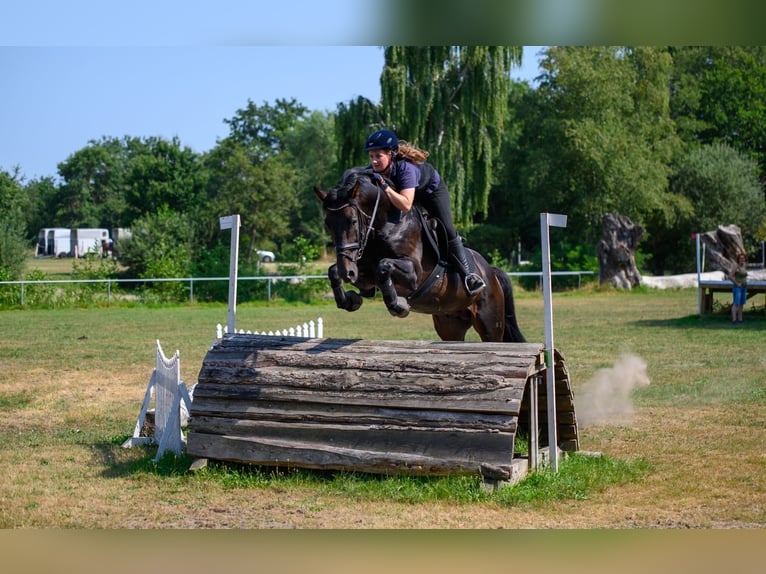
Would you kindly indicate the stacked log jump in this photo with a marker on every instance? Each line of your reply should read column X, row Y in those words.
column 391, row 407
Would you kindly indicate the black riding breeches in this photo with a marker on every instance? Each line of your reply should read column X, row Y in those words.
column 438, row 205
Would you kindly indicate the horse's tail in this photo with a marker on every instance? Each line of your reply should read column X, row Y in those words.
column 512, row 333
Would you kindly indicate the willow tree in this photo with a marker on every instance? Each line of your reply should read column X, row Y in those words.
column 451, row 101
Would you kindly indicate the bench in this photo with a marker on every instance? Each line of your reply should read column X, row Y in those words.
column 707, row 288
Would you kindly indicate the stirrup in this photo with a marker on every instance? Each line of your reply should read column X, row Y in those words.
column 476, row 281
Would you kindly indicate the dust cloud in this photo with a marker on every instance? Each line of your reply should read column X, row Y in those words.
column 607, row 395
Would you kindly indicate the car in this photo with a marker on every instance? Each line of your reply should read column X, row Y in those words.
column 265, row 256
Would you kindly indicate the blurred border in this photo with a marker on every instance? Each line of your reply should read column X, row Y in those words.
column 373, row 552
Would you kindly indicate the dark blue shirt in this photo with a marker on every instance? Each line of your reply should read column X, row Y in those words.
column 424, row 178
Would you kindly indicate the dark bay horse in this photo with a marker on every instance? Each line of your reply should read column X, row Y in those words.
column 377, row 247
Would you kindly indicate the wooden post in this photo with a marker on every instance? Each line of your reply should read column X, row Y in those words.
column 534, row 423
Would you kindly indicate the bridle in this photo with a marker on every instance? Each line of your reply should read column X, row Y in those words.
column 361, row 217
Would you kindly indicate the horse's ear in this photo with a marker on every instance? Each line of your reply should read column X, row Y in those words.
column 320, row 194
column 355, row 191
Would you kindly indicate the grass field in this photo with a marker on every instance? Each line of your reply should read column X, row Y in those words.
column 72, row 382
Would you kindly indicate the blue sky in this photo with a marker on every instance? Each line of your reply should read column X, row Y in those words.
column 67, row 80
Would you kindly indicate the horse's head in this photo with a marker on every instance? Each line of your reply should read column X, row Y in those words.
column 352, row 212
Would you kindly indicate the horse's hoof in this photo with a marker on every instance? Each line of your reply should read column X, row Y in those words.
column 400, row 309
column 353, row 301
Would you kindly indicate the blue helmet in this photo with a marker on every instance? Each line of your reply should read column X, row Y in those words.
column 382, row 139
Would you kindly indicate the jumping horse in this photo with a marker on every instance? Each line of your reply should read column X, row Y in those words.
column 401, row 255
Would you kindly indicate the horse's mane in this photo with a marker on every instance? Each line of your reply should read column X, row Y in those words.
column 347, row 182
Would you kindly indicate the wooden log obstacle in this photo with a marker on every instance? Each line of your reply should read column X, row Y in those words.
column 391, row 407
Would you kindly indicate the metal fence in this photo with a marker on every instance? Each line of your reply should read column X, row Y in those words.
column 270, row 279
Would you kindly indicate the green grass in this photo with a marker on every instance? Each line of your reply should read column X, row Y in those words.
column 579, row 477
column 73, row 380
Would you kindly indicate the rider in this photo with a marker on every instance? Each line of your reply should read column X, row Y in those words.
column 416, row 180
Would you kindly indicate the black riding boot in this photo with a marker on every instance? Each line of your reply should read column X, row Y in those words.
column 464, row 265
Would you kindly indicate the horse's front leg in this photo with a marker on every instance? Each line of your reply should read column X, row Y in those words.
column 401, row 270
column 348, row 300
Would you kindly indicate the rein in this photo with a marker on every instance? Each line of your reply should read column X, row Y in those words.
column 360, row 217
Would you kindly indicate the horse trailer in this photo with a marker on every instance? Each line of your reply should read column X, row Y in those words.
column 89, row 240
column 53, row 242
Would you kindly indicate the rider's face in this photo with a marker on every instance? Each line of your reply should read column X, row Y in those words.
column 380, row 160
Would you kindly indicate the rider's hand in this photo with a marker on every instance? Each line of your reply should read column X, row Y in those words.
column 379, row 178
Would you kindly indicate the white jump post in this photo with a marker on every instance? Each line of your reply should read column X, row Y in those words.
column 232, row 222
column 546, row 221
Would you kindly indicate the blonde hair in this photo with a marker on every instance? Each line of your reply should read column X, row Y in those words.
column 412, row 153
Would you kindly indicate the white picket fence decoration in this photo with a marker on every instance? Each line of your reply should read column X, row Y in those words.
column 172, row 403
column 308, row 330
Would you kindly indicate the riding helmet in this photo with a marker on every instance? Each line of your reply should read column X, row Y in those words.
column 382, row 139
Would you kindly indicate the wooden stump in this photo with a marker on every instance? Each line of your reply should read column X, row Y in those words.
column 721, row 247
column 616, row 252
column 391, row 407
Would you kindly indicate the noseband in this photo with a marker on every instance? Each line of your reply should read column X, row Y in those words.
column 361, row 216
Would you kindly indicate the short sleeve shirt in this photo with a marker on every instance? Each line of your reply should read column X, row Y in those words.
column 405, row 175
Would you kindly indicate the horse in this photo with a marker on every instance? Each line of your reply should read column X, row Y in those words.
column 378, row 248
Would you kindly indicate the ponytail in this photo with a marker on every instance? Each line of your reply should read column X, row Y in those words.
column 412, row 153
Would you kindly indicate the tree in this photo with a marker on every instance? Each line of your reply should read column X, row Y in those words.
column 263, row 128
column 262, row 191
column 308, row 151
column 161, row 174
column 41, row 194
column 602, row 140
column 719, row 95
column 161, row 245
column 259, row 171
column 451, row 100
column 12, row 242
column 92, row 192
column 353, row 123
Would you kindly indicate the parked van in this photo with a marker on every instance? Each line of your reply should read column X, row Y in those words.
column 53, row 242
column 89, row 240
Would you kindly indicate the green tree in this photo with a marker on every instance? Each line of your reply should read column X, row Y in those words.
column 712, row 185
column 451, row 100
column 600, row 136
column 92, row 192
column 162, row 245
column 12, row 241
column 353, row 123
column 262, row 191
column 719, row 95
column 164, row 174
column 41, row 195
column 266, row 163
column 262, row 129
column 309, row 152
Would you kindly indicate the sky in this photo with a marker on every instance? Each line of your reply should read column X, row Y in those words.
column 67, row 81
column 57, row 99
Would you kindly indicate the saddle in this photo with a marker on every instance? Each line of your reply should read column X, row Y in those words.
column 435, row 236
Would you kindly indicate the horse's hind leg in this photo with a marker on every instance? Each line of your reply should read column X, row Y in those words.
column 489, row 316
column 452, row 327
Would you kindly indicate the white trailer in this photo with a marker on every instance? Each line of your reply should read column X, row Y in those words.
column 53, row 242
column 89, row 240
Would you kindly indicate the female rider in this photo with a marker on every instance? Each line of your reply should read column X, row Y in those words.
column 416, row 180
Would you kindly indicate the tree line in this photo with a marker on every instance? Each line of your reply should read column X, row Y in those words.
column 672, row 137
